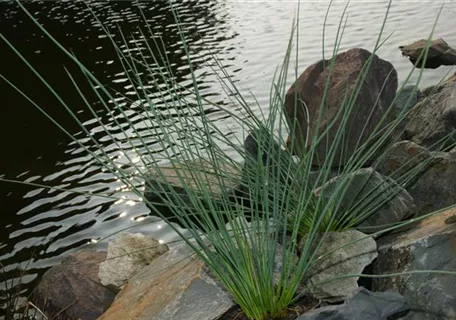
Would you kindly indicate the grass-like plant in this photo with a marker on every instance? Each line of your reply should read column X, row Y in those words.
column 13, row 304
column 267, row 198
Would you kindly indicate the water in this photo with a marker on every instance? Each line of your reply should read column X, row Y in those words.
column 40, row 226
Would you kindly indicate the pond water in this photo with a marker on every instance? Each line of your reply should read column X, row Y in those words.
column 40, row 226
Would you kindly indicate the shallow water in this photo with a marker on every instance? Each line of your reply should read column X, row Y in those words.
column 41, row 226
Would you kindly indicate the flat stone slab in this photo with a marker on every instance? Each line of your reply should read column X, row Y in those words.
column 430, row 245
column 174, row 286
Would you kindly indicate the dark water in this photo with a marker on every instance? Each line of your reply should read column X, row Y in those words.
column 40, row 226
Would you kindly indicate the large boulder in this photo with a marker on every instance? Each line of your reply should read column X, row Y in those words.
column 340, row 254
column 433, row 119
column 432, row 185
column 439, row 54
column 72, row 290
column 176, row 285
column 127, row 254
column 428, row 246
column 363, row 305
column 304, row 99
column 375, row 199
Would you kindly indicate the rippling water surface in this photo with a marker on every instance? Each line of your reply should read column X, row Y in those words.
column 40, row 226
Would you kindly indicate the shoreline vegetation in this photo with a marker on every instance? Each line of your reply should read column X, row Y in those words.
column 343, row 203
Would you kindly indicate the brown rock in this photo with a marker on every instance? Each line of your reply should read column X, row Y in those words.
column 72, row 290
column 176, row 285
column 375, row 96
column 439, row 54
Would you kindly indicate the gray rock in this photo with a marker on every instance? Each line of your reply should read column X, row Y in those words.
column 261, row 146
column 364, row 305
column 72, row 289
column 316, row 177
column 304, row 98
column 433, row 185
column 403, row 158
column 373, row 197
column 432, row 122
column 428, row 246
column 176, row 285
column 434, row 89
column 344, row 260
column 435, row 189
column 240, row 225
column 406, row 99
column 127, row 254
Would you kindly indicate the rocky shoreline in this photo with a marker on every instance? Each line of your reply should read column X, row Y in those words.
column 161, row 282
